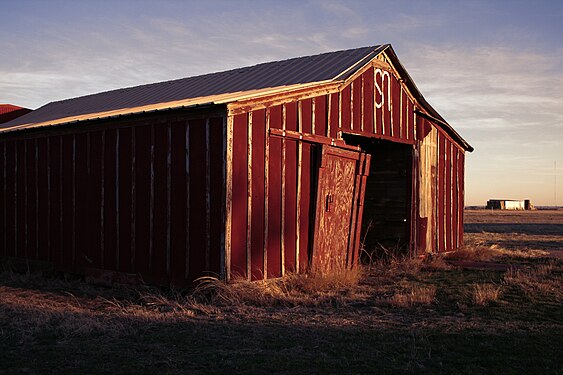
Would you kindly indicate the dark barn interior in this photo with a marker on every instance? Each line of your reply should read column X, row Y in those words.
column 387, row 205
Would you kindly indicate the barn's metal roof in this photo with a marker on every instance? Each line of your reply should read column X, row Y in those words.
column 257, row 78
column 220, row 88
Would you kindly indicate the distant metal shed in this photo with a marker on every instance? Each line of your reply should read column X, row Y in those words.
column 254, row 172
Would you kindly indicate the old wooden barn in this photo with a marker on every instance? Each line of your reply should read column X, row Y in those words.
column 253, row 172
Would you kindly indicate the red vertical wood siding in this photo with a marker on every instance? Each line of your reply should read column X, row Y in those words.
column 20, row 200
column 96, row 249
column 239, row 209
column 109, row 206
column 411, row 121
column 258, row 178
column 305, row 214
column 31, row 203
column 404, row 114
column 455, row 201
column 3, row 199
column 116, row 199
column 461, row 174
column 368, row 101
column 125, row 202
column 142, row 198
column 291, row 116
column 160, row 207
column 274, row 196
column 306, row 116
column 274, row 203
column 334, row 114
column 379, row 104
column 276, row 117
column 10, row 209
column 440, row 197
column 396, row 106
column 55, row 199
column 345, row 103
column 448, row 194
column 43, row 195
column 357, row 103
column 178, row 201
column 81, row 205
column 321, row 115
column 198, row 235
column 290, row 208
column 216, row 191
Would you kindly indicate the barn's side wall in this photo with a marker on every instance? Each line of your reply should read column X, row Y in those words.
column 441, row 190
column 140, row 197
column 271, row 191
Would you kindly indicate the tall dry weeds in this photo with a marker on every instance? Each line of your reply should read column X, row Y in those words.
column 415, row 295
column 479, row 251
column 338, row 286
column 483, row 294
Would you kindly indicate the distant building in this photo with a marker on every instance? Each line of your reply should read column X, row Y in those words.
column 509, row 204
column 9, row 112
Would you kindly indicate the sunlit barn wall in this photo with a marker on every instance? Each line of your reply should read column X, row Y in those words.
column 275, row 149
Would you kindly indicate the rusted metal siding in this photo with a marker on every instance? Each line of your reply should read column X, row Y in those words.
column 138, row 198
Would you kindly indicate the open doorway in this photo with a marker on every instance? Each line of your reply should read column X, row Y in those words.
column 387, row 205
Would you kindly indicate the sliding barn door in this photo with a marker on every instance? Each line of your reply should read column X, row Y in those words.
column 340, row 193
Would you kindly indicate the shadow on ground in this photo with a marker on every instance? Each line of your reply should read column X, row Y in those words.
column 533, row 229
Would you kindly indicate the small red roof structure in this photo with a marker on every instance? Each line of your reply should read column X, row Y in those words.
column 9, row 112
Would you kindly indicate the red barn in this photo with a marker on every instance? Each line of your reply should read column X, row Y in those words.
column 252, row 172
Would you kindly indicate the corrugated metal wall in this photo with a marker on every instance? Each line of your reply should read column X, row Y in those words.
column 143, row 198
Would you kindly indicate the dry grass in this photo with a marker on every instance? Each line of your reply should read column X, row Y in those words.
column 415, row 295
column 541, row 280
column 404, row 315
column 484, row 293
column 479, row 251
column 311, row 289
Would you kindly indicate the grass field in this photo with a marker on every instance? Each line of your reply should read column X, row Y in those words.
column 494, row 307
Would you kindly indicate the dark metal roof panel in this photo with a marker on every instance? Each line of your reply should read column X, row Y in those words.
column 326, row 66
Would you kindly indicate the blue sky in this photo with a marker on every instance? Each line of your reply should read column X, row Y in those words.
column 493, row 69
